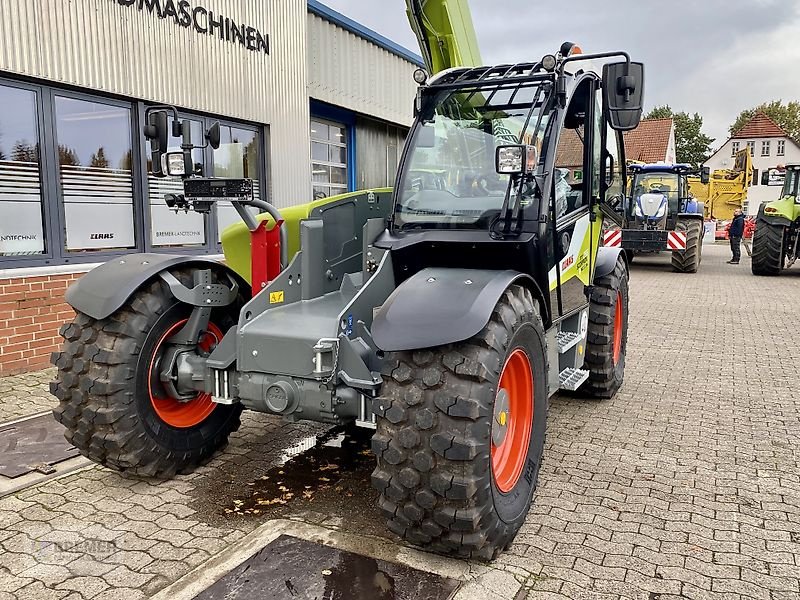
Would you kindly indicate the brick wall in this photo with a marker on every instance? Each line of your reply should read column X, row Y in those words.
column 32, row 310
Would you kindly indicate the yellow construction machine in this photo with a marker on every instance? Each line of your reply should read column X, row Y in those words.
column 726, row 189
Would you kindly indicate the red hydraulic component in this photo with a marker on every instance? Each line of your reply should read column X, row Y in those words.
column 265, row 255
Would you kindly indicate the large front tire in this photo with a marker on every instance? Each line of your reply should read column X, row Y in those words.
column 688, row 261
column 607, row 336
column 114, row 408
column 769, row 249
column 460, row 434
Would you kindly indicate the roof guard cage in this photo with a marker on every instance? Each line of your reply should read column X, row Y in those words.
column 484, row 75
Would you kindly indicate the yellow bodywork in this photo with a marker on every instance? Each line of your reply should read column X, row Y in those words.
column 236, row 237
column 727, row 189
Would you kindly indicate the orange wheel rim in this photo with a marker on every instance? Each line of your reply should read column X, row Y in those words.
column 182, row 413
column 512, row 420
column 618, row 329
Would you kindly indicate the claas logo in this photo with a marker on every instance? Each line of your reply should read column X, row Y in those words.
column 567, row 263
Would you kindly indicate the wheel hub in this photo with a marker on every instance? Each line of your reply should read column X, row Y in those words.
column 501, row 418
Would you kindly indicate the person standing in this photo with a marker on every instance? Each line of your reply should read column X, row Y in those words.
column 735, row 232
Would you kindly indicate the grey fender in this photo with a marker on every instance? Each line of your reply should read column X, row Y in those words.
column 607, row 259
column 104, row 289
column 440, row 306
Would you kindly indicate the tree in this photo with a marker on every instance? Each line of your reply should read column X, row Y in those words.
column 787, row 116
column 67, row 156
column 691, row 144
column 23, row 151
column 99, row 159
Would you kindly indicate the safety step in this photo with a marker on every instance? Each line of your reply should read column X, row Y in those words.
column 566, row 340
column 571, row 379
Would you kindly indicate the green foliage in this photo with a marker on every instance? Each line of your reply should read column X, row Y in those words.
column 787, row 116
column 691, row 144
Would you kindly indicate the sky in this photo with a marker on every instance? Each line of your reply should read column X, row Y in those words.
column 713, row 57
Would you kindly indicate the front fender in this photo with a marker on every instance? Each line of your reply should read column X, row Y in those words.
column 104, row 289
column 440, row 306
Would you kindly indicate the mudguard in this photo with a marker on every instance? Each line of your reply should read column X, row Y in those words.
column 104, row 289
column 440, row 306
column 607, row 259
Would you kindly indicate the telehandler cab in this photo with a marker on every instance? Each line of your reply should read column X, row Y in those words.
column 443, row 314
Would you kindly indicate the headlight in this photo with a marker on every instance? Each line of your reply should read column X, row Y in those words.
column 661, row 210
column 637, row 210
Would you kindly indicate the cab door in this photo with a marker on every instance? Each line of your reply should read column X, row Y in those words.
column 576, row 189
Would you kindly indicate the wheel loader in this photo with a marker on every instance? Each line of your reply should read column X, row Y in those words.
column 443, row 313
column 776, row 241
column 661, row 215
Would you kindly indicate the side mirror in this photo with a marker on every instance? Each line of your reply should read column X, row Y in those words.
column 623, row 94
column 515, row 159
column 212, row 136
column 157, row 132
column 705, row 175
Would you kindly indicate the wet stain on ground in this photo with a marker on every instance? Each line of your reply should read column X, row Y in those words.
column 293, row 569
column 326, row 474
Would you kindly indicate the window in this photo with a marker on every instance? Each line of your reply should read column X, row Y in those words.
column 74, row 185
column 328, row 158
column 751, row 146
column 765, row 148
column 734, row 148
column 21, row 230
column 95, row 173
column 755, row 177
column 781, row 147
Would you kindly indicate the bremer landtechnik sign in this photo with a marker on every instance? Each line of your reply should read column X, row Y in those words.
column 203, row 21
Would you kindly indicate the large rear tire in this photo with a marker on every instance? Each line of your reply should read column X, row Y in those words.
column 111, row 401
column 607, row 336
column 460, row 434
column 689, row 260
column 769, row 249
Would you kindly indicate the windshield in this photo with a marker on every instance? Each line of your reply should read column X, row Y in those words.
column 449, row 178
column 790, row 183
column 656, row 183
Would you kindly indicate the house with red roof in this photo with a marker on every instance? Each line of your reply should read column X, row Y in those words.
column 652, row 141
column 771, row 149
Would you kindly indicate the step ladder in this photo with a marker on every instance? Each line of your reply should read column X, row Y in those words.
column 571, row 378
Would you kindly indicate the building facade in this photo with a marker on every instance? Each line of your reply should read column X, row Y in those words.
column 770, row 148
column 652, row 141
column 310, row 104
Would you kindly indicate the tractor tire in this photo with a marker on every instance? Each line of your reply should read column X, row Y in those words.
column 460, row 434
column 115, row 410
column 769, row 250
column 607, row 335
column 689, row 260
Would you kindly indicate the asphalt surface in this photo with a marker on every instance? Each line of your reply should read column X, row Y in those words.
column 684, row 485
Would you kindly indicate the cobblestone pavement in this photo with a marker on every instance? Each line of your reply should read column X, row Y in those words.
column 25, row 395
column 685, row 485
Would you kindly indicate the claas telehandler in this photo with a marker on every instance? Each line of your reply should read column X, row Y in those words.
column 443, row 314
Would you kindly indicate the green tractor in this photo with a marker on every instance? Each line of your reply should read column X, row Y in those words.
column 442, row 314
column 776, row 241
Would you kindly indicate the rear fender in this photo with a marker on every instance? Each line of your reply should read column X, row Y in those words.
column 607, row 260
column 103, row 290
column 440, row 306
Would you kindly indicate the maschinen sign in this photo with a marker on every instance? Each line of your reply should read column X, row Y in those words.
column 203, row 21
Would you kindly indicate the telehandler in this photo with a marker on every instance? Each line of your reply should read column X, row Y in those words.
column 443, row 314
